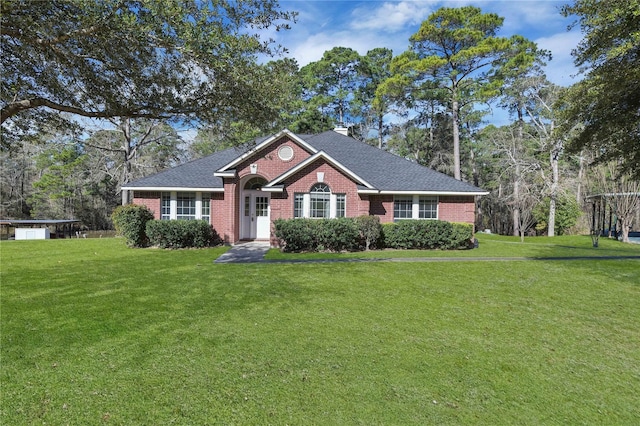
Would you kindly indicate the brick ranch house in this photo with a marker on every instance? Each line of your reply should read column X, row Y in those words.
column 327, row 175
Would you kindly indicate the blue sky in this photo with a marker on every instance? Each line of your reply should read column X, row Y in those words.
column 364, row 25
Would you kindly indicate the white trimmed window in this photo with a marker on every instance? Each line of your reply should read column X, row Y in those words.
column 402, row 207
column 415, row 207
column 427, row 207
column 319, row 203
column 165, row 206
column 205, row 208
column 341, row 205
column 298, row 204
column 185, row 206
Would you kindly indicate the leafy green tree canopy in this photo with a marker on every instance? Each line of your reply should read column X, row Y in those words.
column 606, row 104
column 189, row 59
column 329, row 83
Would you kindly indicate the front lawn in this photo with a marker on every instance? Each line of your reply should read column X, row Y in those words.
column 95, row 333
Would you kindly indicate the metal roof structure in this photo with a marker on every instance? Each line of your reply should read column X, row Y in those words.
column 12, row 222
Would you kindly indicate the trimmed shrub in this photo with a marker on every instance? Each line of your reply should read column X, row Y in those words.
column 176, row 234
column 427, row 234
column 370, row 230
column 130, row 221
column 337, row 234
column 297, row 235
column 462, row 236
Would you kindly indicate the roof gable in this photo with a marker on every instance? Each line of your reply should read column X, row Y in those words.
column 319, row 155
column 262, row 145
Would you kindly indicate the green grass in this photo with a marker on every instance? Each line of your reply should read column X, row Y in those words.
column 95, row 333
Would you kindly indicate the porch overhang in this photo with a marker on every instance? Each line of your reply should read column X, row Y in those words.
column 171, row 188
column 225, row 173
column 275, row 188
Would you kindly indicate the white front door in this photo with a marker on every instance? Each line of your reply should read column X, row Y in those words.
column 255, row 221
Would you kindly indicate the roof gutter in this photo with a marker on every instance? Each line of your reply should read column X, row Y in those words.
column 461, row 193
column 170, row 188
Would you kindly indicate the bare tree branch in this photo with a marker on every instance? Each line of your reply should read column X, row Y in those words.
column 14, row 108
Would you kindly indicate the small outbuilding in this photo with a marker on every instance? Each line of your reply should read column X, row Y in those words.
column 33, row 234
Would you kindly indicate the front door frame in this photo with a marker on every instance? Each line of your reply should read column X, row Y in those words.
column 252, row 226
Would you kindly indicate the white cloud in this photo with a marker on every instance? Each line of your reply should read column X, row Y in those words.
column 390, row 16
column 362, row 26
column 313, row 47
column 529, row 16
column 561, row 69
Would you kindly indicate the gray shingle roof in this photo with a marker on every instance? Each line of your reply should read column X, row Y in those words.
column 194, row 174
column 383, row 170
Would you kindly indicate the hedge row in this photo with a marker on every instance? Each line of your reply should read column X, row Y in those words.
column 427, row 234
column 352, row 234
column 175, row 234
column 317, row 235
column 136, row 224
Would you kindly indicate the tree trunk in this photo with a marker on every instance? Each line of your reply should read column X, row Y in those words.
column 580, row 177
column 551, row 223
column 380, row 128
column 516, row 179
column 516, row 196
column 624, row 228
column 456, row 140
column 125, row 126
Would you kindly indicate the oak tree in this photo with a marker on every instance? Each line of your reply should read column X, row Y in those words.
column 180, row 60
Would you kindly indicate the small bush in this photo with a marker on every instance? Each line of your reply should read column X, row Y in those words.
column 427, row 234
column 130, row 221
column 337, row 234
column 175, row 234
column 370, row 230
column 296, row 234
column 462, row 236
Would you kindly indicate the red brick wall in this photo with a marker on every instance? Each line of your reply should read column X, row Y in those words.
column 382, row 206
column 269, row 164
column 339, row 183
column 450, row 208
column 149, row 199
column 219, row 214
column 457, row 209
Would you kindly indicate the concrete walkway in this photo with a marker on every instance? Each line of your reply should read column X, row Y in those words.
column 245, row 252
